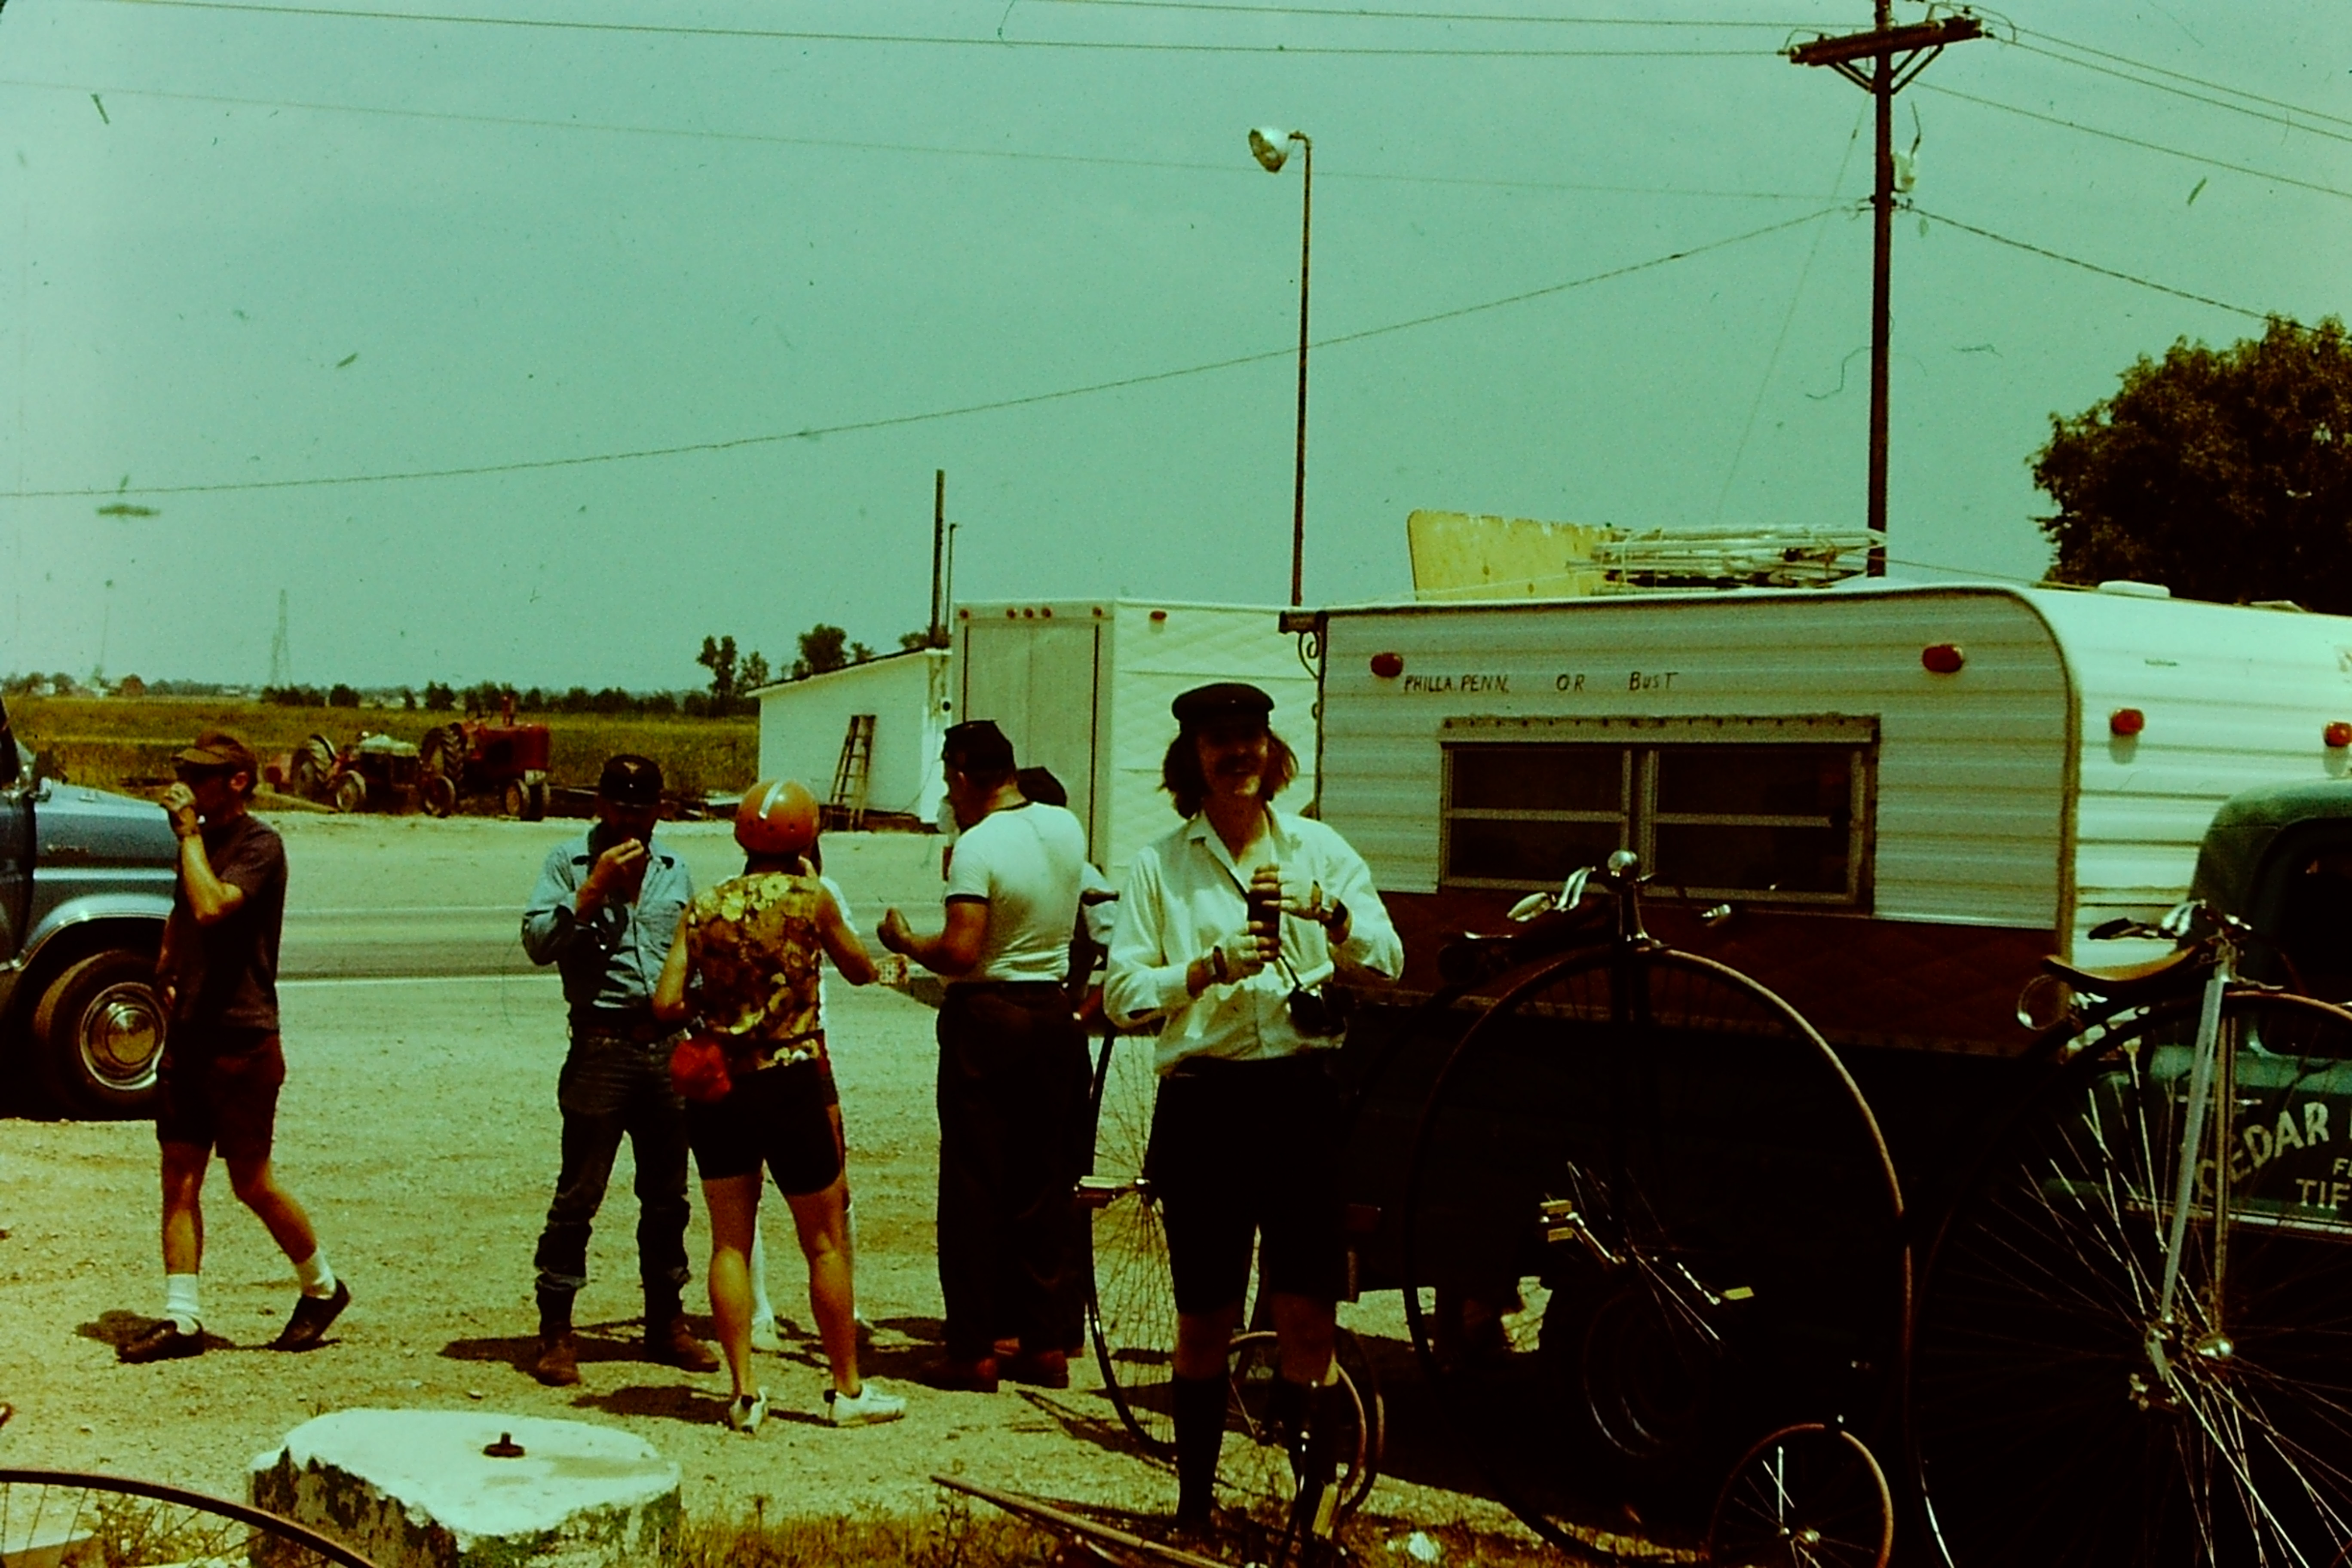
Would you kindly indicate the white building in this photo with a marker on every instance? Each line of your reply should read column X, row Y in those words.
column 802, row 724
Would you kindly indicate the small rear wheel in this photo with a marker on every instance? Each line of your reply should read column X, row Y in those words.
column 1255, row 1466
column 1809, row 1496
column 99, row 1029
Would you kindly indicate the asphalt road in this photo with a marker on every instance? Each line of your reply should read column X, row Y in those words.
column 384, row 898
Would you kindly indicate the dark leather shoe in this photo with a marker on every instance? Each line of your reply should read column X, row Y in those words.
column 557, row 1363
column 674, row 1344
column 955, row 1377
column 1040, row 1369
column 313, row 1315
column 162, row 1342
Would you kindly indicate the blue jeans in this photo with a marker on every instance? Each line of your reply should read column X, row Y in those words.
column 611, row 1087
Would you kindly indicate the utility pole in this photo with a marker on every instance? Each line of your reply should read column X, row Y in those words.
column 1882, row 62
column 939, row 555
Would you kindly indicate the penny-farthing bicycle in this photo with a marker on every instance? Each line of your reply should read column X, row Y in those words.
column 1653, row 1252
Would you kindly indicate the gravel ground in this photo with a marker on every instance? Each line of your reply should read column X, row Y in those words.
column 419, row 1125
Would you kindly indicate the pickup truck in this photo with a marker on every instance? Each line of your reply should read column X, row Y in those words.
column 86, row 881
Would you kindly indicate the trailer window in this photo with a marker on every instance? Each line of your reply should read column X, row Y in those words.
column 1746, row 816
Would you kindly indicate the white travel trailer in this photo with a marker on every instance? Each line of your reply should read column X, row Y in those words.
column 1083, row 687
column 1887, row 803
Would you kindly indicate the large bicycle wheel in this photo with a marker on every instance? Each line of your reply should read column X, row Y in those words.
column 1650, row 1219
column 64, row 1517
column 2056, row 1414
column 1132, row 1305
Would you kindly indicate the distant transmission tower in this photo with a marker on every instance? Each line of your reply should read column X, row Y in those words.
column 281, row 651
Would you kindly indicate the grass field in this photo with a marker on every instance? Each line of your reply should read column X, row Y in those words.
column 116, row 742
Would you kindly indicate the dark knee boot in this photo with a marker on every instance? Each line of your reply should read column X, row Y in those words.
column 1200, row 1412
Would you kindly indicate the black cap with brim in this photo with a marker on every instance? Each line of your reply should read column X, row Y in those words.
column 218, row 749
column 1222, row 702
column 630, row 780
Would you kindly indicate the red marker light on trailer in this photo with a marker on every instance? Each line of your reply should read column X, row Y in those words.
column 2126, row 721
column 2337, row 735
column 1388, row 665
column 1942, row 659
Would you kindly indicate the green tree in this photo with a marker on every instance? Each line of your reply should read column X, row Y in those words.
column 439, row 698
column 718, row 657
column 343, row 696
column 2223, row 474
column 920, row 637
column 755, row 673
column 824, row 649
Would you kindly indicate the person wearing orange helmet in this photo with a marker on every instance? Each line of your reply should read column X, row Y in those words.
column 745, row 967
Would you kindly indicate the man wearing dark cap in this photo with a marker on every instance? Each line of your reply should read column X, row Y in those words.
column 605, row 909
column 1013, row 1067
column 1228, row 930
column 222, row 1066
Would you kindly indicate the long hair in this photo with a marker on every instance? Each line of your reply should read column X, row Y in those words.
column 1181, row 776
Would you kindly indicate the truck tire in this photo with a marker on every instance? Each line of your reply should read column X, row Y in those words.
column 99, row 1032
column 351, row 792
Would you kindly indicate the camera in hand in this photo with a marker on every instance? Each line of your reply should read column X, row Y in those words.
column 1322, row 1012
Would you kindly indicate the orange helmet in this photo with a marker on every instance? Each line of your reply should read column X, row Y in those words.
column 778, row 816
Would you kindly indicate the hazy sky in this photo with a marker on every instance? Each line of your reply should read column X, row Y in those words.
column 242, row 245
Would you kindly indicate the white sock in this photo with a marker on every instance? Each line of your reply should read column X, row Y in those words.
column 317, row 1278
column 761, row 1308
column 180, row 1301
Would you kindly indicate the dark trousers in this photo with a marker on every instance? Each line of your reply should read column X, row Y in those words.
column 614, row 1087
column 1012, row 1085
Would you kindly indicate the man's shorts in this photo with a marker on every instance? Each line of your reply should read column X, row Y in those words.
column 217, row 1088
column 775, row 1117
column 1243, row 1151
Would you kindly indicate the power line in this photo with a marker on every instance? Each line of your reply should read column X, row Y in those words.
column 2137, row 142
column 2288, row 120
column 2103, row 272
column 993, row 405
column 1358, row 12
column 1238, row 167
column 668, row 29
column 2178, row 75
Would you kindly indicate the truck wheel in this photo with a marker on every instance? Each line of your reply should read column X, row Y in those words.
column 99, row 1031
column 516, row 800
column 534, row 803
column 439, row 795
column 351, row 792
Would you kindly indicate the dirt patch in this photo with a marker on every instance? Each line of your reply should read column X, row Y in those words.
column 419, row 1125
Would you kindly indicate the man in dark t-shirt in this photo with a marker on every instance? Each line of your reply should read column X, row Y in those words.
column 222, row 1066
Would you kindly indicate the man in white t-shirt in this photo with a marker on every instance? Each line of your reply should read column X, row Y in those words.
column 1012, row 1066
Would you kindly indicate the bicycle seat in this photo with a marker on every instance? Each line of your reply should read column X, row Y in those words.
column 2133, row 982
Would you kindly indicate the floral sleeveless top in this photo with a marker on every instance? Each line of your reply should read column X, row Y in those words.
column 754, row 946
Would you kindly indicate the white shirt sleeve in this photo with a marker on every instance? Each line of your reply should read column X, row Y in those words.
column 1144, row 981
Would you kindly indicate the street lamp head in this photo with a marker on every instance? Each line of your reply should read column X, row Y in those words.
column 1270, row 147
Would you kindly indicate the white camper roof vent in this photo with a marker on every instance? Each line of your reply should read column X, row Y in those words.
column 2134, row 590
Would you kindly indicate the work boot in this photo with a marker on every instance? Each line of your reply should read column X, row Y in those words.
column 557, row 1364
column 557, row 1361
column 671, row 1343
column 1039, row 1369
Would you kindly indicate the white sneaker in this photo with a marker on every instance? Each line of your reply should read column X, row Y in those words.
column 870, row 1408
column 746, row 1411
column 764, row 1336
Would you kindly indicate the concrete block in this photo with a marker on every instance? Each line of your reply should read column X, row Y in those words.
column 414, row 1489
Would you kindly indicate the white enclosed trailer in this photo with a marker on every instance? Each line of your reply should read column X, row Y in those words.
column 1889, row 803
column 1082, row 687
column 903, row 700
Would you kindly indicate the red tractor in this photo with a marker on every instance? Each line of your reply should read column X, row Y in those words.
column 476, row 757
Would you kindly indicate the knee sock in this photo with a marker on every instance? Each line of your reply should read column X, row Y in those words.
column 317, row 1278
column 180, row 1301
column 1200, row 1412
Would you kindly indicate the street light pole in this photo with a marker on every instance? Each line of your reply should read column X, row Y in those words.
column 1271, row 150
